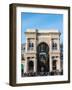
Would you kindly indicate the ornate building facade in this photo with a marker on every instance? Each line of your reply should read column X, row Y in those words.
column 41, row 52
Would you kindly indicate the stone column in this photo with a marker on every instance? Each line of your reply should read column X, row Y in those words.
column 59, row 64
column 50, row 45
column 50, row 59
column 58, row 44
column 50, row 63
column 26, row 66
column 35, row 45
column 35, row 65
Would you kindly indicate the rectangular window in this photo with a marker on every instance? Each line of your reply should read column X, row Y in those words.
column 31, row 45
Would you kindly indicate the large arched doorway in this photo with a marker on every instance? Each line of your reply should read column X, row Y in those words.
column 42, row 58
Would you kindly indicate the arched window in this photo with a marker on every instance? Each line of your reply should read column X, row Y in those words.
column 54, row 46
column 31, row 45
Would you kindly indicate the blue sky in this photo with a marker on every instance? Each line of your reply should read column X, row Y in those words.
column 41, row 21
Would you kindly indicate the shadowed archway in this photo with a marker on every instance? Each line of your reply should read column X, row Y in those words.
column 42, row 58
